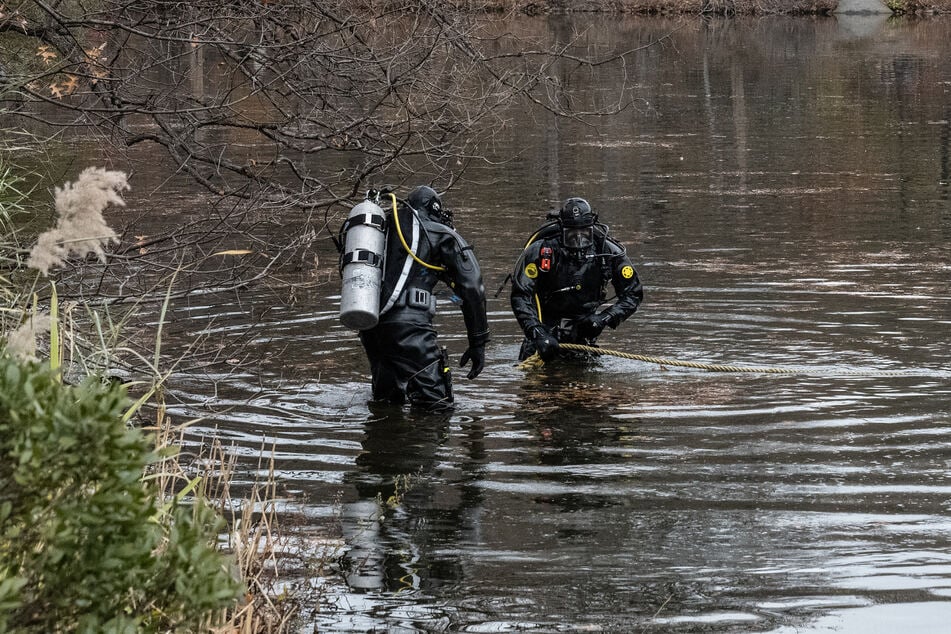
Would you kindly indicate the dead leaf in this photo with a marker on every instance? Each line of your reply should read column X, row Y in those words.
column 95, row 53
column 46, row 53
column 71, row 84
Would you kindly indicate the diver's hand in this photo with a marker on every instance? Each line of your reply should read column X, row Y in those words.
column 476, row 354
column 545, row 343
column 590, row 327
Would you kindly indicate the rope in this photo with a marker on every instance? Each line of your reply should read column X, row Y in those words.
column 535, row 361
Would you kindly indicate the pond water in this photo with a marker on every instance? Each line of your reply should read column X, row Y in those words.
column 784, row 187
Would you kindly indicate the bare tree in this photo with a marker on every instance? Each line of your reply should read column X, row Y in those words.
column 337, row 91
column 273, row 106
column 283, row 103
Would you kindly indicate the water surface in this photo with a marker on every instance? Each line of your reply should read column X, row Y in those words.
column 782, row 185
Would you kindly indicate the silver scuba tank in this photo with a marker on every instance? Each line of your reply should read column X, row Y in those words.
column 362, row 266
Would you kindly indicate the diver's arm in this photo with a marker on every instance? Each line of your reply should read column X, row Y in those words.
column 523, row 301
column 627, row 287
column 464, row 277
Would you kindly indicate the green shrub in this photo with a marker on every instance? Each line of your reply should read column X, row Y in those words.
column 84, row 546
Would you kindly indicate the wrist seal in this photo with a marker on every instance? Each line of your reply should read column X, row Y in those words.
column 478, row 339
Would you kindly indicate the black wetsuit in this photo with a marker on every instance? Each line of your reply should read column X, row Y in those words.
column 405, row 360
column 555, row 288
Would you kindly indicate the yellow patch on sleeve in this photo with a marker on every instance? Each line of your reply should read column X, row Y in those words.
column 531, row 271
column 627, row 272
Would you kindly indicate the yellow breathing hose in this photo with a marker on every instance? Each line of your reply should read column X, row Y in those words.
column 535, row 361
column 538, row 303
column 399, row 232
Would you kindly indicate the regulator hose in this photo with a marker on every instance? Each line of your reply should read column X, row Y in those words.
column 399, row 232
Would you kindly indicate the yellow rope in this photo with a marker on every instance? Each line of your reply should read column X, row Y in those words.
column 535, row 361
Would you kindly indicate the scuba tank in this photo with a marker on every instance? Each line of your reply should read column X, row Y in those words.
column 361, row 266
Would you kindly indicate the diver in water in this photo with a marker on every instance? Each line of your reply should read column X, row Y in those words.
column 560, row 280
column 421, row 249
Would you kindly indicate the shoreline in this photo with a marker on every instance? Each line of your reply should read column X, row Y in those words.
column 707, row 7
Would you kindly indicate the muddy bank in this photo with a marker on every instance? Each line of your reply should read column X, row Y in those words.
column 916, row 7
column 712, row 7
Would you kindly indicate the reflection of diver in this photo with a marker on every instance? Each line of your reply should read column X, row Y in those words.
column 363, row 562
column 401, row 506
column 572, row 420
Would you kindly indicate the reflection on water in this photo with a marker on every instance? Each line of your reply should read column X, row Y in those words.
column 783, row 185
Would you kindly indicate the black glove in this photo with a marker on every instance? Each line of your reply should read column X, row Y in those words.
column 477, row 355
column 590, row 327
column 545, row 343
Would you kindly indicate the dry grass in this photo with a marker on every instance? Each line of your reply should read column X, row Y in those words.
column 257, row 545
column 254, row 539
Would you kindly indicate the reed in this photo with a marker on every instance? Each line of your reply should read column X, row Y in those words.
column 255, row 539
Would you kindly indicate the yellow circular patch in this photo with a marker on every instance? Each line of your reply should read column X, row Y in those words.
column 531, row 271
column 627, row 272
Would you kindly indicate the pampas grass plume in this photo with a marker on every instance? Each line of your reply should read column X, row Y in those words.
column 22, row 341
column 80, row 228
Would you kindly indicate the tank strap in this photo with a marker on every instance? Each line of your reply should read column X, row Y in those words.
column 369, row 218
column 362, row 255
